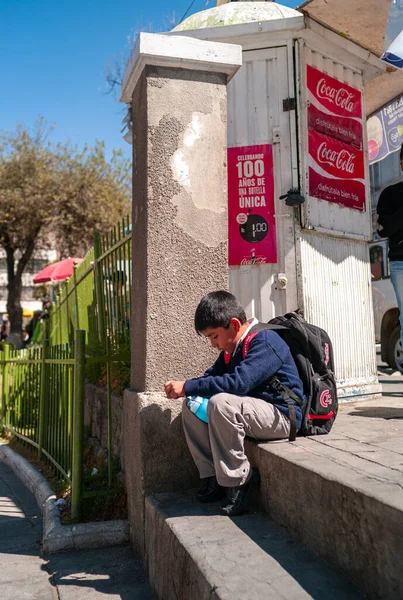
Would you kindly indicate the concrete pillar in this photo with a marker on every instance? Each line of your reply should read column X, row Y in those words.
column 177, row 87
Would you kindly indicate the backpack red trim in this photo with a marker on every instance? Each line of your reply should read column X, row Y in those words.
column 246, row 343
column 327, row 417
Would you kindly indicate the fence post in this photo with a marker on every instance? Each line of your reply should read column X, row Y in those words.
column 99, row 294
column 78, row 426
column 4, row 385
column 42, row 396
column 76, row 296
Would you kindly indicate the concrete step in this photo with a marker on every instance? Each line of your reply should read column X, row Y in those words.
column 194, row 553
column 342, row 494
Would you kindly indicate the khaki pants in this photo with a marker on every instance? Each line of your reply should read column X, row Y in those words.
column 217, row 447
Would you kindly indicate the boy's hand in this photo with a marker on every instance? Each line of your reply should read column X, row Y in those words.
column 174, row 389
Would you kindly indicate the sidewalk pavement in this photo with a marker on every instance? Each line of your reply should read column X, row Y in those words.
column 114, row 573
column 367, row 438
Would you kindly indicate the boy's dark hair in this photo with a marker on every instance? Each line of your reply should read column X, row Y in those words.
column 401, row 152
column 217, row 309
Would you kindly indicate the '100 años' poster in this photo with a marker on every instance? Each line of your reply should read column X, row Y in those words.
column 335, row 141
column 251, row 221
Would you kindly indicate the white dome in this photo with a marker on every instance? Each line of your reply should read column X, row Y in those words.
column 236, row 13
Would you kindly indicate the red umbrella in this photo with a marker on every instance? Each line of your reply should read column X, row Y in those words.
column 57, row 271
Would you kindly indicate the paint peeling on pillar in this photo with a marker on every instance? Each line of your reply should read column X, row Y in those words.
column 192, row 146
column 195, row 166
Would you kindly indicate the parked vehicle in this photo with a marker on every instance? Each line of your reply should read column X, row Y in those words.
column 386, row 313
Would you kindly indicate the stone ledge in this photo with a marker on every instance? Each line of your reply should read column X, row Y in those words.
column 57, row 537
column 342, row 494
column 192, row 551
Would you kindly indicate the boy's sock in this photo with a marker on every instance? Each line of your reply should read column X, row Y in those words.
column 210, row 490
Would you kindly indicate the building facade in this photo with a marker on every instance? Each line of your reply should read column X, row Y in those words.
column 40, row 259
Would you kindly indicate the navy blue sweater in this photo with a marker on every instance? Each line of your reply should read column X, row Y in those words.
column 267, row 355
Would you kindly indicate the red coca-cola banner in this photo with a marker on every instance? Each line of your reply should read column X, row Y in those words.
column 336, row 171
column 341, row 99
column 251, row 222
column 336, row 159
column 345, row 130
column 350, row 193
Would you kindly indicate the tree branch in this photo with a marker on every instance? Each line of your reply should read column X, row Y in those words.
column 29, row 250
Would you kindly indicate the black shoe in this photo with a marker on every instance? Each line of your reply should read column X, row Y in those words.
column 240, row 496
column 210, row 490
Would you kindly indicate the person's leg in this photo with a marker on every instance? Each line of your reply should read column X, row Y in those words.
column 197, row 437
column 396, row 277
column 230, row 419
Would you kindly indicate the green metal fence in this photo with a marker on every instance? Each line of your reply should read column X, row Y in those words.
column 20, row 391
column 97, row 297
column 42, row 403
column 86, row 336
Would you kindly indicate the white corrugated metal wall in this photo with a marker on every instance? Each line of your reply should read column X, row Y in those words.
column 255, row 116
column 337, row 296
column 333, row 266
column 319, row 214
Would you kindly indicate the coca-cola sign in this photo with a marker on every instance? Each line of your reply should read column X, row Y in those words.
column 253, row 260
column 349, row 193
column 251, row 222
column 336, row 159
column 343, row 129
column 338, row 97
column 339, row 167
column 340, row 159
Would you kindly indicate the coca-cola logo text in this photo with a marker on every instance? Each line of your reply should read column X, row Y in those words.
column 340, row 159
column 340, row 97
column 254, row 260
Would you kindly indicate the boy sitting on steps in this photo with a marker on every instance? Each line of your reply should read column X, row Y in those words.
column 241, row 402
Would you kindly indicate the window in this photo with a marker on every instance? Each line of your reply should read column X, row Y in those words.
column 378, row 259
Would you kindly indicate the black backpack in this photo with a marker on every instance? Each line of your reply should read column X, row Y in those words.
column 312, row 351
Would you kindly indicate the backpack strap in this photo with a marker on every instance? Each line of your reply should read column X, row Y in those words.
column 285, row 392
column 288, row 396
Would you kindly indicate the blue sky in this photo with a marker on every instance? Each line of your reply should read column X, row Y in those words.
column 53, row 59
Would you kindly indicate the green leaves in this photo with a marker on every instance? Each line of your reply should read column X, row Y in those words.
column 55, row 195
column 58, row 194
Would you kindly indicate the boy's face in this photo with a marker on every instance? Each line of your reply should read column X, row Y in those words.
column 224, row 338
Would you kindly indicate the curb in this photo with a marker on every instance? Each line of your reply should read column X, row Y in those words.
column 57, row 537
